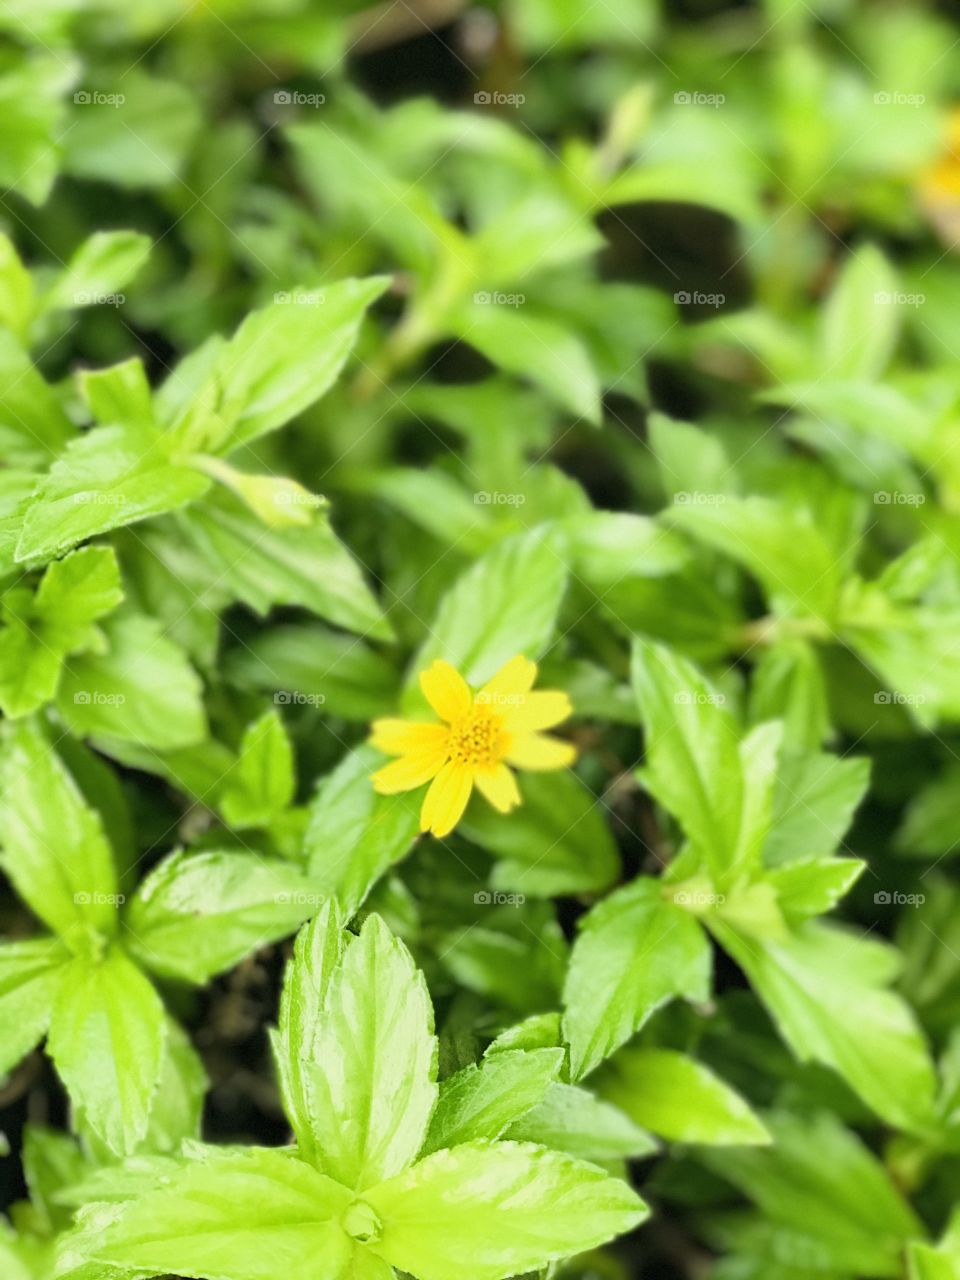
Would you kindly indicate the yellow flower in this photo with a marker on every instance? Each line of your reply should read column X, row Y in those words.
column 481, row 735
column 938, row 186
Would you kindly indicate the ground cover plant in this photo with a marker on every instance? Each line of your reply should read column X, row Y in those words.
column 479, row 640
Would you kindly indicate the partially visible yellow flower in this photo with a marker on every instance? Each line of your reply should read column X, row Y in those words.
column 480, row 736
column 938, row 186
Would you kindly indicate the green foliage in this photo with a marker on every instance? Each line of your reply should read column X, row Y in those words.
column 337, row 340
column 357, row 1059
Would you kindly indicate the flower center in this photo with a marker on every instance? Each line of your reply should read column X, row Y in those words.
column 477, row 738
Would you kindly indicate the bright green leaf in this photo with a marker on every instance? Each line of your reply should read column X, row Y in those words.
column 353, row 835
column 635, row 951
column 261, row 784
column 483, row 1099
column 371, row 1066
column 106, row 1039
column 54, row 847
column 827, row 993
column 505, row 605
column 248, row 1215
column 679, row 1098
column 509, row 1207
column 573, row 1120
column 195, row 915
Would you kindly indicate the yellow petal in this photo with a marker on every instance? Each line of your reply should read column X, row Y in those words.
column 407, row 737
column 446, row 800
column 515, row 676
column 499, row 787
column 446, row 690
column 539, row 751
column 408, row 772
column 529, row 711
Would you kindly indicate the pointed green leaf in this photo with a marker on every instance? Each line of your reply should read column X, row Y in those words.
column 814, row 803
column 574, row 1120
column 484, row 1098
column 286, row 355
column 106, row 1039
column 534, row 346
column 678, row 1098
column 508, row 1207
column 247, row 1216
column 30, row 974
column 826, row 991
column 370, row 1070
column 141, row 690
column 102, row 265
column 119, row 393
column 195, row 915
column 781, row 547
column 828, row 1192
column 814, row 886
column 59, row 620
column 521, row 584
column 635, row 951
column 556, row 842
column 718, row 784
column 261, row 784
column 262, row 567
column 110, row 477
column 860, row 321
column 353, row 835
column 317, row 953
column 54, row 847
